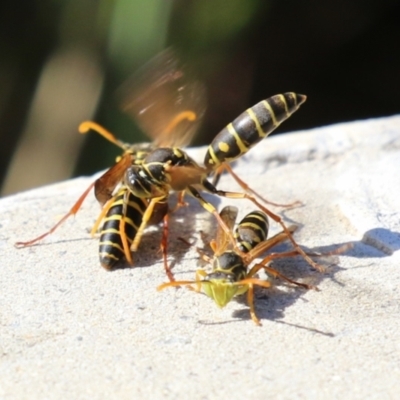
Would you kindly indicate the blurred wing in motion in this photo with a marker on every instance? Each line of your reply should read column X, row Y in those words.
column 165, row 101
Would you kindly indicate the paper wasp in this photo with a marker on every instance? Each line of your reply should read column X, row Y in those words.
column 169, row 169
column 168, row 104
column 230, row 275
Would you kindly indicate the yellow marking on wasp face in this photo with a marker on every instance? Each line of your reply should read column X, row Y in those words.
column 242, row 147
column 271, row 113
column 253, row 116
column 223, row 146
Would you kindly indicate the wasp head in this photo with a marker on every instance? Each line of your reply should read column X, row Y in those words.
column 140, row 184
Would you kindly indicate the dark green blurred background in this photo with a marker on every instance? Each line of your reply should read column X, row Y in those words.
column 62, row 60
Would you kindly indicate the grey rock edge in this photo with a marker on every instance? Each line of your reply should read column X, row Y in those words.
column 71, row 330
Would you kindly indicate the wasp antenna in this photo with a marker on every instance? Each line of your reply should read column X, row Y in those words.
column 86, row 126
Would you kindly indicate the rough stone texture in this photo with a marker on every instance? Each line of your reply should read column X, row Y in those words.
column 70, row 329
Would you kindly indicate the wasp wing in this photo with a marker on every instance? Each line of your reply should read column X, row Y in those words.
column 222, row 241
column 183, row 176
column 165, row 100
column 106, row 184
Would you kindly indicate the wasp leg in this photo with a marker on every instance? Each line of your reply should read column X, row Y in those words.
column 145, row 220
column 264, row 264
column 250, row 302
column 199, row 274
column 75, row 208
column 210, row 208
column 164, row 248
column 237, row 195
column 175, row 283
column 124, row 239
column 180, row 203
column 204, row 256
column 268, row 244
column 100, row 218
column 247, row 188
column 250, row 282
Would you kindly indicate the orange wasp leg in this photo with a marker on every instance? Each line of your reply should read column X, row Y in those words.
column 247, row 188
column 75, row 208
column 174, row 283
column 180, row 202
column 210, row 208
column 277, row 274
column 145, row 220
column 164, row 248
column 103, row 212
column 199, row 274
column 122, row 233
column 249, row 282
column 276, row 218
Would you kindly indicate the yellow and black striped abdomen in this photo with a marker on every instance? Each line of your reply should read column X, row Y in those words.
column 110, row 246
column 251, row 230
column 250, row 127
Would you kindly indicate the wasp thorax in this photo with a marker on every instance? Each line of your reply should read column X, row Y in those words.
column 164, row 155
column 227, row 260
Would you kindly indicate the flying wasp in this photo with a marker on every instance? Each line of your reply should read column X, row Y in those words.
column 168, row 104
column 230, row 275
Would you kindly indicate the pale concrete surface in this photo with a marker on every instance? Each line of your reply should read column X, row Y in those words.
column 71, row 330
